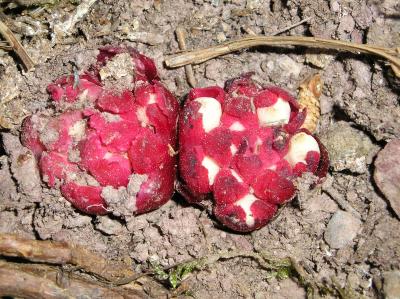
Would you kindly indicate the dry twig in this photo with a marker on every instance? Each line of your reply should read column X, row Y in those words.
column 202, row 55
column 4, row 46
column 16, row 46
column 180, row 36
column 44, row 278
column 61, row 253
column 148, row 38
column 42, row 281
column 291, row 26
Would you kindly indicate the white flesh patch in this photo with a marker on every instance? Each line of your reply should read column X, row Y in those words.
column 83, row 95
column 233, row 149
column 110, row 118
column 236, row 126
column 111, row 137
column 300, row 145
column 211, row 112
column 77, row 131
column 237, row 176
column 277, row 114
column 152, row 98
column 142, row 116
column 245, row 203
column 108, row 155
column 211, row 167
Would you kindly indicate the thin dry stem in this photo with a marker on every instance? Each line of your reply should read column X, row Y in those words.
column 291, row 26
column 42, row 281
column 202, row 55
column 248, row 30
column 16, row 46
column 180, row 36
column 41, row 277
column 61, row 253
column 4, row 46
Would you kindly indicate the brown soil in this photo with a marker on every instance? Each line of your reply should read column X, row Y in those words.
column 360, row 99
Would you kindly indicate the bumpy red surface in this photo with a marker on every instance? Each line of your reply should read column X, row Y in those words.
column 112, row 136
column 244, row 146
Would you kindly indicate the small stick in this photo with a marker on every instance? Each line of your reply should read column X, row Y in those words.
column 148, row 38
column 5, row 47
column 202, row 55
column 40, row 281
column 180, row 36
column 291, row 26
column 16, row 46
column 61, row 253
column 248, row 30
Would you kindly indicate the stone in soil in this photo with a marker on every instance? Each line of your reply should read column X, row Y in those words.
column 387, row 173
column 348, row 148
column 342, row 229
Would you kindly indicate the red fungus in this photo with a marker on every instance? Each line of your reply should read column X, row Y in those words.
column 242, row 144
column 117, row 122
column 245, row 146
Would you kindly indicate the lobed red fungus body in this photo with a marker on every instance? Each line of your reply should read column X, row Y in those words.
column 111, row 148
column 244, row 146
column 113, row 136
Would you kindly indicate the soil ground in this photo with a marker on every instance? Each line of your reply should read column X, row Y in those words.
column 344, row 231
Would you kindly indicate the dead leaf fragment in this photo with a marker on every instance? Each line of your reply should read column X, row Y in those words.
column 310, row 91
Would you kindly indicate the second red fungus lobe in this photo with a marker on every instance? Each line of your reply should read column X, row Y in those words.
column 243, row 144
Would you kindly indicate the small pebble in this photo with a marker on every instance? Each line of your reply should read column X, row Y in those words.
column 221, row 37
column 289, row 66
column 346, row 24
column 319, row 60
column 348, row 148
column 342, row 229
